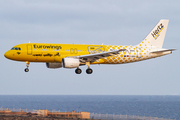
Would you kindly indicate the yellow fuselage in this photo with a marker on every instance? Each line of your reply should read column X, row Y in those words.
column 39, row 52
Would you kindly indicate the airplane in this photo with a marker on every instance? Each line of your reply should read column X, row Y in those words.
column 76, row 55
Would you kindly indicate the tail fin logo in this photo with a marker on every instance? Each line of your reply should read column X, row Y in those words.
column 156, row 32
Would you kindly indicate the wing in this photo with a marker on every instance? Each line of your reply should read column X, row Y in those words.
column 94, row 57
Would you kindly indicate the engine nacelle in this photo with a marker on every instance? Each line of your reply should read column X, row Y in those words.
column 70, row 62
column 54, row 65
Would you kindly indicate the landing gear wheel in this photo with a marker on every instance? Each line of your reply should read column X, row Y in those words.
column 78, row 71
column 89, row 71
column 26, row 70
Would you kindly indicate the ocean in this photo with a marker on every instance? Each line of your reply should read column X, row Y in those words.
column 154, row 106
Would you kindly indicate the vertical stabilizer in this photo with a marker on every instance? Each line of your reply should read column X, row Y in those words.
column 156, row 36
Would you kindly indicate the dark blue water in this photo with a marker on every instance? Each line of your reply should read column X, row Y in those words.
column 154, row 106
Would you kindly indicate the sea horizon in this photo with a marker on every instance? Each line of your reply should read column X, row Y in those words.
column 161, row 106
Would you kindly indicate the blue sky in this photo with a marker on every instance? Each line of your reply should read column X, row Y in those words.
column 114, row 22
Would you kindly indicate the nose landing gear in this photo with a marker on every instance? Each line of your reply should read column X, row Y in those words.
column 26, row 70
column 27, row 65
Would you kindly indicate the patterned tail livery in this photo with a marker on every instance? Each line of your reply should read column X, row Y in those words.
column 156, row 37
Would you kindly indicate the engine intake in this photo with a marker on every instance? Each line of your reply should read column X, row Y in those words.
column 70, row 62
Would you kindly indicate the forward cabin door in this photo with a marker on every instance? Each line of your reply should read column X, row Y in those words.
column 29, row 49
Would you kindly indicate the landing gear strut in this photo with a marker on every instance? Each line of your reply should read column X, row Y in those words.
column 78, row 71
column 27, row 65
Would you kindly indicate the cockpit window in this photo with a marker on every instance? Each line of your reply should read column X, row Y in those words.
column 16, row 48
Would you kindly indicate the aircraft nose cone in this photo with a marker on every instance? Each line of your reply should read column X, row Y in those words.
column 7, row 55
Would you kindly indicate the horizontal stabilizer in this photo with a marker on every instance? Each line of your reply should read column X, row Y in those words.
column 163, row 51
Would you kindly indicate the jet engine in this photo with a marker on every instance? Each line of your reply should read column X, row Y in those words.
column 54, row 65
column 70, row 62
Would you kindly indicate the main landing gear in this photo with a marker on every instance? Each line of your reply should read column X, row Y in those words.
column 88, row 71
column 27, row 65
column 78, row 71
